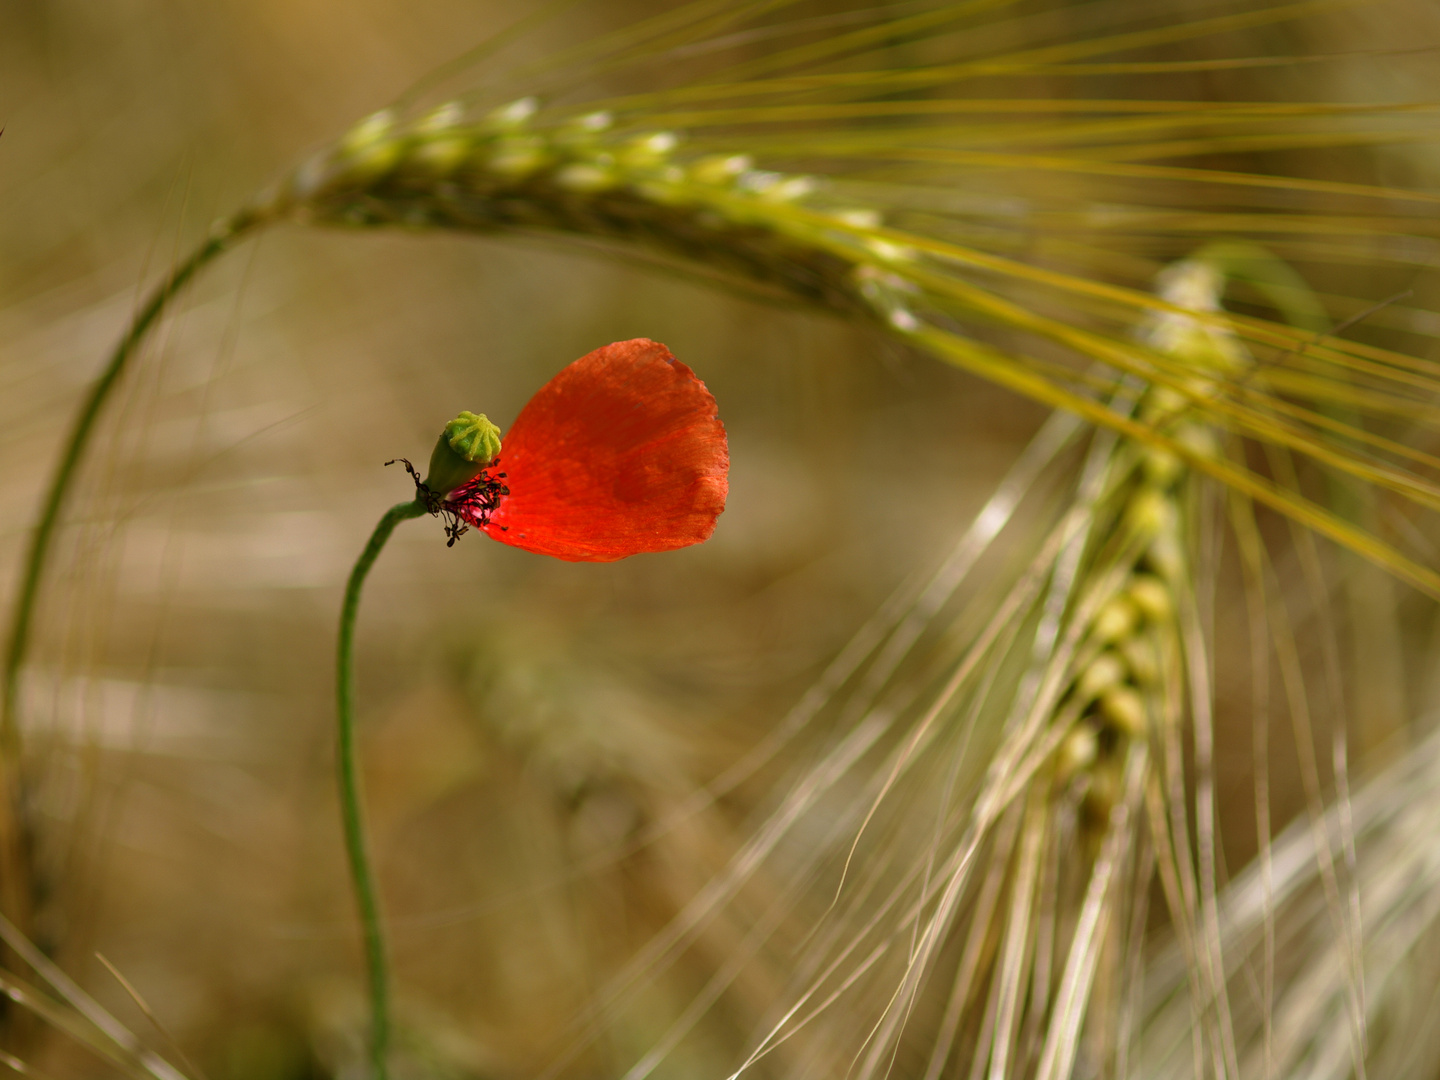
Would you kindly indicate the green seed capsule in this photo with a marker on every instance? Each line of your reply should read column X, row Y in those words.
column 444, row 118
column 1165, row 557
column 1198, row 440
column 1104, row 793
column 647, row 151
column 1077, row 752
column 370, row 149
column 1123, row 706
column 1116, row 620
column 1143, row 659
column 1151, row 596
column 1164, row 403
column 1104, row 671
column 440, row 157
column 1151, row 513
column 859, row 219
column 518, row 156
column 720, row 169
column 514, row 115
column 585, row 177
column 1161, row 467
column 468, row 444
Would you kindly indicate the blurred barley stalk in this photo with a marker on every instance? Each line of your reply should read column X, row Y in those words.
column 992, row 838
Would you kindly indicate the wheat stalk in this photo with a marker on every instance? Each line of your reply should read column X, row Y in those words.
column 1039, row 868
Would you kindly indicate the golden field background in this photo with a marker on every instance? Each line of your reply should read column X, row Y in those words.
column 532, row 730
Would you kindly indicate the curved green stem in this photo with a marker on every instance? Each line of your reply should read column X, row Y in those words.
column 220, row 239
column 367, row 896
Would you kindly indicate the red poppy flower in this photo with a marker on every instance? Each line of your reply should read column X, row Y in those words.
column 620, row 453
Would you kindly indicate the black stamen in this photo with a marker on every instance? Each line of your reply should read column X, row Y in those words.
column 471, row 503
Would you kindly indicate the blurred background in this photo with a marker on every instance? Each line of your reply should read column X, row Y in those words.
column 532, row 729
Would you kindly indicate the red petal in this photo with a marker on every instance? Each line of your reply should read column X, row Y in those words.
column 619, row 453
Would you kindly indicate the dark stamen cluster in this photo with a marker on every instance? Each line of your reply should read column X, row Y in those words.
column 470, row 504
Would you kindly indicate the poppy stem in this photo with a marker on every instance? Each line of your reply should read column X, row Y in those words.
column 367, row 896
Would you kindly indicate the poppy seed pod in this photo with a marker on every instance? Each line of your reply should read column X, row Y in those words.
column 466, row 447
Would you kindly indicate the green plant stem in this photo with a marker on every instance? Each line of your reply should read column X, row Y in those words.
column 221, row 238
column 15, row 870
column 367, row 896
